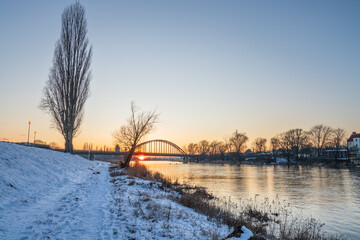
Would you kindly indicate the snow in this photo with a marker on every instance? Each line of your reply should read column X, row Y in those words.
column 47, row 194
column 146, row 212
column 52, row 195
column 281, row 160
column 246, row 235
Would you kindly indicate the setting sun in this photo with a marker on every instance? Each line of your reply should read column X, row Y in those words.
column 141, row 157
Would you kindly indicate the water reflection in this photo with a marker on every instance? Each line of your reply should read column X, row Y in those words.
column 329, row 195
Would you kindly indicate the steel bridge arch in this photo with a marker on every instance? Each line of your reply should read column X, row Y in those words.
column 161, row 141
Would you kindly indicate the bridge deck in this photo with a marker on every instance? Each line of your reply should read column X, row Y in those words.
column 136, row 153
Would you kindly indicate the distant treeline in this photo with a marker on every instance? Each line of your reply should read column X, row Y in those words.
column 90, row 147
column 294, row 143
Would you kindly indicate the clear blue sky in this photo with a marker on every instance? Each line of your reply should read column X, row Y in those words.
column 210, row 67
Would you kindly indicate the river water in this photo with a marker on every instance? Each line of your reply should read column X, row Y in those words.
column 329, row 195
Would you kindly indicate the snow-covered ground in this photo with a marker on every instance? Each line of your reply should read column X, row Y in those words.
column 146, row 212
column 52, row 195
column 47, row 194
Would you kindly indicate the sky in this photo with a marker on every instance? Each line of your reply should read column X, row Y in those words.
column 208, row 67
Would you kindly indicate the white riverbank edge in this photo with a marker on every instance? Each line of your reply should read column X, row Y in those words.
column 48, row 194
column 147, row 213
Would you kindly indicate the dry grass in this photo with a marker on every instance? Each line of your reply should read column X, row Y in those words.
column 273, row 220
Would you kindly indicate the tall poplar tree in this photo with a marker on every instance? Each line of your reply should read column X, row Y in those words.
column 67, row 88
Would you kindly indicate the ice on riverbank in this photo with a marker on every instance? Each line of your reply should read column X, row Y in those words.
column 47, row 194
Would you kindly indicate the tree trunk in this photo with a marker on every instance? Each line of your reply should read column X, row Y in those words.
column 296, row 153
column 68, row 144
column 128, row 158
column 288, row 156
column 336, row 152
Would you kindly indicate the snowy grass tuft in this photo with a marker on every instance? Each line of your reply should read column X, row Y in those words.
column 146, row 210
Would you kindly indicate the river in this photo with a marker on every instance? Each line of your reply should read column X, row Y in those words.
column 329, row 195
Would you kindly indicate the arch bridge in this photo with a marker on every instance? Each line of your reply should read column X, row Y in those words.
column 159, row 147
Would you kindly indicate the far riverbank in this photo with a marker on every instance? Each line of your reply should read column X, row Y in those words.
column 281, row 161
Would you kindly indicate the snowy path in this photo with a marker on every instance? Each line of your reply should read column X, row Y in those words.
column 78, row 210
column 81, row 212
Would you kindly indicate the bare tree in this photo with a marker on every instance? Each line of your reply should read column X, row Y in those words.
column 67, row 89
column 275, row 146
column 117, row 148
column 185, row 148
column 138, row 126
column 300, row 139
column 214, row 148
column 286, row 141
column 229, row 146
column 39, row 141
column 193, row 148
column 54, row 145
column 222, row 148
column 259, row 145
column 87, row 146
column 292, row 142
column 337, row 140
column 204, row 147
column 338, row 137
column 238, row 140
column 319, row 137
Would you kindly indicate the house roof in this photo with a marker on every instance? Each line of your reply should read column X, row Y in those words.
column 353, row 135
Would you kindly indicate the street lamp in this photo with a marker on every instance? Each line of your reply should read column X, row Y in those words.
column 34, row 136
column 29, row 132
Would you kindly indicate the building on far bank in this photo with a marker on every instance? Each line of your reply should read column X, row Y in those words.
column 353, row 144
column 337, row 153
column 354, row 141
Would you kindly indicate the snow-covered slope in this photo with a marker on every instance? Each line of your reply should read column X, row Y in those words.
column 27, row 174
column 44, row 193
